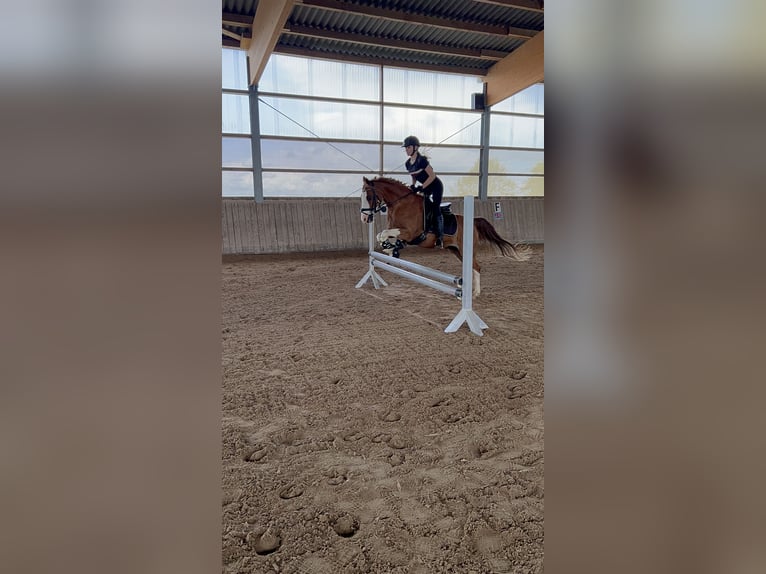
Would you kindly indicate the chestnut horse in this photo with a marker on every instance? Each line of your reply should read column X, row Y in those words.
column 405, row 216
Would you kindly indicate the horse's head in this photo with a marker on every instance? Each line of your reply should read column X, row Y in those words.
column 384, row 193
column 368, row 193
column 374, row 201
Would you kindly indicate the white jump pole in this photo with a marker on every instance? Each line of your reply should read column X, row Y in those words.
column 422, row 269
column 448, row 289
column 467, row 314
column 449, row 284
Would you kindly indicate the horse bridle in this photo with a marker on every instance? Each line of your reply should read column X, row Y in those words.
column 378, row 205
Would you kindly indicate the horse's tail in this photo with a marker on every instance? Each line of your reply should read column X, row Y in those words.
column 488, row 234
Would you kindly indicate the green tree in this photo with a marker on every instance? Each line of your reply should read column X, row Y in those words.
column 534, row 186
column 498, row 186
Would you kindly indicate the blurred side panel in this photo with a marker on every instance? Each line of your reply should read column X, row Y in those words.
column 654, row 280
column 110, row 297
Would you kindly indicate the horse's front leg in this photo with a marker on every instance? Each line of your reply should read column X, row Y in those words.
column 388, row 236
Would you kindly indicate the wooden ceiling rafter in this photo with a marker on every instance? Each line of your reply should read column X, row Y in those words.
column 230, row 34
column 269, row 20
column 522, row 68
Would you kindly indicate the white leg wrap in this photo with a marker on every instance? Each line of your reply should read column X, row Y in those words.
column 387, row 234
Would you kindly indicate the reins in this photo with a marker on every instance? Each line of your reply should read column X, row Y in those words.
column 410, row 192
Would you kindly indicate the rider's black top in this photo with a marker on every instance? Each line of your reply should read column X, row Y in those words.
column 418, row 169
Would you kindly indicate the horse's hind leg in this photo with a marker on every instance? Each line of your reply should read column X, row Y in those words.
column 476, row 268
column 476, row 277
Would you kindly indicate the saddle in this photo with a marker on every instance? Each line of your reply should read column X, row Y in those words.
column 450, row 221
column 429, row 225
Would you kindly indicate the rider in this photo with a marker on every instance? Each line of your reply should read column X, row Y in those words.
column 422, row 172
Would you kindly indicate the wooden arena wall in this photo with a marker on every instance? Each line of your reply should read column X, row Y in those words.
column 290, row 225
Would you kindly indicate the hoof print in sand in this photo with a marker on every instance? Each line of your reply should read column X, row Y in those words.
column 453, row 417
column 481, row 450
column 381, row 437
column 389, row 416
column 398, row 442
column 439, row 401
column 352, row 436
column 256, row 455
column 266, row 542
column 518, row 375
column 336, row 476
column 396, row 458
column 291, row 491
column 345, row 525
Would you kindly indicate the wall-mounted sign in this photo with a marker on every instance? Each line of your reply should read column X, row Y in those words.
column 498, row 210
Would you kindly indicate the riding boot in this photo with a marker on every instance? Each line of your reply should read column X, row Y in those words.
column 439, row 229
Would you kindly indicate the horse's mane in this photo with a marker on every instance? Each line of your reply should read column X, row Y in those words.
column 389, row 180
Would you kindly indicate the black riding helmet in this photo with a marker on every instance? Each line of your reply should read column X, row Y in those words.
column 411, row 140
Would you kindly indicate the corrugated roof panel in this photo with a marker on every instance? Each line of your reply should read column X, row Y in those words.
column 378, row 27
column 322, row 46
column 240, row 6
column 393, row 30
column 490, row 13
column 469, row 11
column 312, row 16
column 243, row 7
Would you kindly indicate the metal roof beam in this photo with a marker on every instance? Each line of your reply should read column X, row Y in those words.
column 447, row 69
column 367, row 40
column 529, row 5
column 270, row 18
column 520, row 69
column 402, row 16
